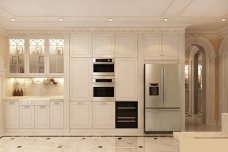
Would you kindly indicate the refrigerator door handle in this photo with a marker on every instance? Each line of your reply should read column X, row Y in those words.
column 164, row 83
column 162, row 86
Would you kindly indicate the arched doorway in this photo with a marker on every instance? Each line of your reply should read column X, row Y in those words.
column 200, row 84
column 223, row 80
column 195, row 89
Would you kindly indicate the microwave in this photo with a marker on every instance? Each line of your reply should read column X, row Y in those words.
column 103, row 88
column 103, row 66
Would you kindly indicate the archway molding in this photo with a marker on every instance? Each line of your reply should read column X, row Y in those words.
column 191, row 48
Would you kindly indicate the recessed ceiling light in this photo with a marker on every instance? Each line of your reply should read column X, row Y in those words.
column 223, row 19
column 165, row 19
column 12, row 19
column 61, row 19
column 110, row 19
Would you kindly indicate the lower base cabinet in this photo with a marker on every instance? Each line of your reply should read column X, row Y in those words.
column 103, row 114
column 26, row 116
column 56, row 114
column 81, row 115
column 41, row 116
column 12, row 114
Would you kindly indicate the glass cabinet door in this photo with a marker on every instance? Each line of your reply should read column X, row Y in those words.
column 56, row 60
column 36, row 56
column 17, row 56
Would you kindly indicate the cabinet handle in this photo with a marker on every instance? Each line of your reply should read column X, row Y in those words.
column 42, row 106
column 26, row 106
column 12, row 102
column 104, row 103
column 80, row 103
column 56, row 103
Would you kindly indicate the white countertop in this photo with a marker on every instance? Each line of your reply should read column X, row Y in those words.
column 32, row 97
column 180, row 135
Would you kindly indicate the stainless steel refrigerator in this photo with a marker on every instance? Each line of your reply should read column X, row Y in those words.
column 162, row 98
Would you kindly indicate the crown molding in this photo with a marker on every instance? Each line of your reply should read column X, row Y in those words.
column 223, row 32
column 3, row 31
column 208, row 35
column 30, row 33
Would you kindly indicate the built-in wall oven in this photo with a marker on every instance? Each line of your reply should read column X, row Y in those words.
column 103, row 66
column 103, row 88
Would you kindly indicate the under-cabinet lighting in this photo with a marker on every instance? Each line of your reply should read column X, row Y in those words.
column 12, row 19
column 60, row 19
column 165, row 19
column 110, row 19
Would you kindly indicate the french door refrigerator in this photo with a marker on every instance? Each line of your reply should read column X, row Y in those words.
column 161, row 96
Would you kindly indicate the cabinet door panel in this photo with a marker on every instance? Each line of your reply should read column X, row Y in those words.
column 81, row 45
column 152, row 46
column 26, row 116
column 126, row 79
column 170, row 46
column 103, row 115
column 12, row 114
column 41, row 116
column 126, row 45
column 103, row 45
column 81, row 79
column 56, row 114
column 81, row 115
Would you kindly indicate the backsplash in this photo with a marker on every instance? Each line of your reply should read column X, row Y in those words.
column 35, row 86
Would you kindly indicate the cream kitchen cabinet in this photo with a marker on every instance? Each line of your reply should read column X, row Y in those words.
column 103, row 114
column 103, row 45
column 126, row 45
column 12, row 114
column 26, row 116
column 42, row 116
column 126, row 79
column 80, row 114
column 170, row 47
column 36, row 57
column 56, row 114
column 161, row 46
column 81, row 45
column 81, row 79
column 34, row 113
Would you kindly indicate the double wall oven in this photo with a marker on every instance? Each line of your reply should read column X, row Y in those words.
column 103, row 79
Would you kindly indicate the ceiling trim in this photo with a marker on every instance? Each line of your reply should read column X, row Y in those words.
column 180, row 29
column 3, row 31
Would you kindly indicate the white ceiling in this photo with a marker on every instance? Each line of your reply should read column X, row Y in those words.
column 45, row 14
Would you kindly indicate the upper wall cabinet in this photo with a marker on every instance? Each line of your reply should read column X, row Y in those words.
column 17, row 56
column 170, row 50
column 152, row 46
column 103, row 45
column 37, row 62
column 36, row 57
column 161, row 46
column 81, row 45
column 56, row 59
column 126, row 45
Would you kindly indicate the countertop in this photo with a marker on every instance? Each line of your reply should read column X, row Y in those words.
column 33, row 97
column 181, row 135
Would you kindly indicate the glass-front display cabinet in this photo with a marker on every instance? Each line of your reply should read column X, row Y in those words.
column 36, row 56
column 56, row 59
column 16, row 56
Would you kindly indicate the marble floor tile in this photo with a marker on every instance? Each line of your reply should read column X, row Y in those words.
column 87, row 144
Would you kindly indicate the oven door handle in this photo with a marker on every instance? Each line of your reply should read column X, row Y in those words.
column 103, row 85
column 103, row 63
